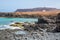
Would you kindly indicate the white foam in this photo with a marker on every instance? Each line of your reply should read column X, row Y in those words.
column 8, row 27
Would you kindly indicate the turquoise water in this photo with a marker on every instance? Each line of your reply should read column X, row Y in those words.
column 5, row 21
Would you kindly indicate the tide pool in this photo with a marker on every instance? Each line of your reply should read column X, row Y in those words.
column 5, row 21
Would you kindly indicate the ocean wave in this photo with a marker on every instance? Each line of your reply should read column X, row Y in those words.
column 8, row 27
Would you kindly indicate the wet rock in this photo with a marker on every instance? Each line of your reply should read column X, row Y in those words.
column 41, row 20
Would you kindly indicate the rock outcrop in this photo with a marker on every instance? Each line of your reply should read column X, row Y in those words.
column 57, row 29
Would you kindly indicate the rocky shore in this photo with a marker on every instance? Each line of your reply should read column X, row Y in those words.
column 47, row 28
column 13, row 35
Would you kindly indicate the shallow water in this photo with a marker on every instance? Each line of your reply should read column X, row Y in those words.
column 5, row 21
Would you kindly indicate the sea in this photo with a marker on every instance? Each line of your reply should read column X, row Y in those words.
column 5, row 22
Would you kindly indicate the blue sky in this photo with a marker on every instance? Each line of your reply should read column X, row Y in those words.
column 12, row 5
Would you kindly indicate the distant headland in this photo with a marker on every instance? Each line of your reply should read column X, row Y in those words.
column 33, row 12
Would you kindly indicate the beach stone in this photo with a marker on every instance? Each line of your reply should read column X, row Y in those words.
column 4, row 35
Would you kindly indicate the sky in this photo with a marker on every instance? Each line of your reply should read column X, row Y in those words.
column 13, row 5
